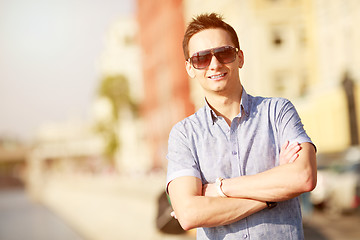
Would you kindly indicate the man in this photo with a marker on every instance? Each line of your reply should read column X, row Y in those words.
column 238, row 164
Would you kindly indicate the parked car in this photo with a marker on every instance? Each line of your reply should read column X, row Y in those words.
column 338, row 186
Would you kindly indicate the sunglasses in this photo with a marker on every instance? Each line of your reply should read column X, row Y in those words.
column 224, row 55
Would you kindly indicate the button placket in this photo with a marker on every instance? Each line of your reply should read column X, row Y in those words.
column 234, row 143
column 235, row 148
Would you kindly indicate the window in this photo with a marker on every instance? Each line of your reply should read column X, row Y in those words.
column 277, row 38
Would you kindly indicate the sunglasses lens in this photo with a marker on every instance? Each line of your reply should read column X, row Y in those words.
column 225, row 54
column 201, row 59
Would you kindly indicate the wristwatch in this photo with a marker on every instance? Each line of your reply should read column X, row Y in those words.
column 218, row 184
column 271, row 205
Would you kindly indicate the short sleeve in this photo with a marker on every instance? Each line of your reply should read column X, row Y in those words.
column 180, row 156
column 289, row 124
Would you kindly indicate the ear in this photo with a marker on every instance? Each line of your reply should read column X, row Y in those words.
column 241, row 58
column 189, row 69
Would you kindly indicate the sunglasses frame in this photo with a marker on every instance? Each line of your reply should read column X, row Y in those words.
column 213, row 52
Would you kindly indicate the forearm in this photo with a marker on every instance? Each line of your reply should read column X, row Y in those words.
column 278, row 184
column 203, row 211
column 194, row 210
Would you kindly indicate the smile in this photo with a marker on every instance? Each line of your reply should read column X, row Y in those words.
column 217, row 76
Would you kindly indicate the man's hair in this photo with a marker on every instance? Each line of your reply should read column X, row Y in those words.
column 203, row 22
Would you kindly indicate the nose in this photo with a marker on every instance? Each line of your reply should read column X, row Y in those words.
column 214, row 64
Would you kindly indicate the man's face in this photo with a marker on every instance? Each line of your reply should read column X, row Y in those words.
column 216, row 78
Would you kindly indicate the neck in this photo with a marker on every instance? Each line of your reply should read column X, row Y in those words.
column 226, row 106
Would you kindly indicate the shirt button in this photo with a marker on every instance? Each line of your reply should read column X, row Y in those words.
column 234, row 152
column 245, row 236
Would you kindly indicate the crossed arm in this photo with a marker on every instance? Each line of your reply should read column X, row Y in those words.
column 199, row 206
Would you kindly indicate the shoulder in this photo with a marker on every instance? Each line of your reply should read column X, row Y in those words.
column 191, row 123
column 269, row 103
column 273, row 108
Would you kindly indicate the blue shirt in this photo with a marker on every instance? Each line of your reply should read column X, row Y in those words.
column 204, row 146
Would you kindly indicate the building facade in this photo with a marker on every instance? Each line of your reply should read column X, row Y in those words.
column 166, row 86
column 304, row 50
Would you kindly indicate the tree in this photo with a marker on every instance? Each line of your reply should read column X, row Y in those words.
column 116, row 90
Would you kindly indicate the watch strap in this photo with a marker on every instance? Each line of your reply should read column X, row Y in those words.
column 218, row 184
column 271, row 205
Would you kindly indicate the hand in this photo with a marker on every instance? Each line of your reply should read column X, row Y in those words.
column 289, row 153
column 210, row 190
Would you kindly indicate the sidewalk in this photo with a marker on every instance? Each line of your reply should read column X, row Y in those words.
column 106, row 208
column 22, row 219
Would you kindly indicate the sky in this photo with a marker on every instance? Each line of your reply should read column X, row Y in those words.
column 49, row 53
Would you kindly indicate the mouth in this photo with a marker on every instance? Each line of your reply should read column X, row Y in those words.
column 218, row 76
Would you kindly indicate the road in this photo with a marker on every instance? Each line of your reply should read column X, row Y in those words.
column 323, row 226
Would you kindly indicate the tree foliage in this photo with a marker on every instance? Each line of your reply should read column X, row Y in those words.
column 116, row 89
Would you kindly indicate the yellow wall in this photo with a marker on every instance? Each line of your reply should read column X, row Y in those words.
column 325, row 118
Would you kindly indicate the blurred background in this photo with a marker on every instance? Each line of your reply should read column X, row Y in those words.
column 89, row 91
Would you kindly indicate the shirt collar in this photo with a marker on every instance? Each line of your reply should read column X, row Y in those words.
column 210, row 113
column 245, row 102
column 244, row 107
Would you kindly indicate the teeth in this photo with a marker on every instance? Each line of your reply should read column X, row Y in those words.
column 217, row 76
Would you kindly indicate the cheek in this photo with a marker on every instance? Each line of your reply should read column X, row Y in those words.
column 202, row 80
column 200, row 75
column 234, row 69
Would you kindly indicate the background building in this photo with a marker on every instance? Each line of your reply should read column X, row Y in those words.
column 302, row 50
column 166, row 87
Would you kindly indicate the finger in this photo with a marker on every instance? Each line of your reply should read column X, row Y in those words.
column 291, row 153
column 284, row 146
column 294, row 149
column 294, row 144
column 293, row 158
